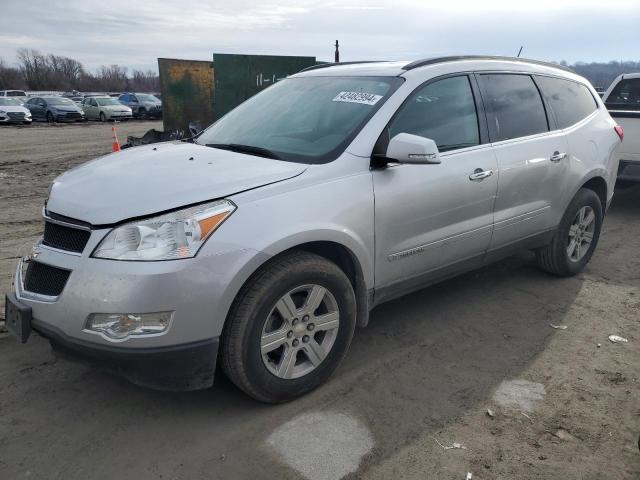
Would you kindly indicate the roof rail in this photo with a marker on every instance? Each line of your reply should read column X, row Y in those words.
column 436, row 60
column 331, row 64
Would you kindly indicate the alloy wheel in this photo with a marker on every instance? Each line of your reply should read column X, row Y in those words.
column 300, row 331
column 581, row 233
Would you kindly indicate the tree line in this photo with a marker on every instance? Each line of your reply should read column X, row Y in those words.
column 601, row 74
column 40, row 71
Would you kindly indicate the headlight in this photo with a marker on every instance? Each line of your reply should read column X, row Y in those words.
column 172, row 236
column 2, row 112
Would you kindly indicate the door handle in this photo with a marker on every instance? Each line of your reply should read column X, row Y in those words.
column 479, row 174
column 557, row 156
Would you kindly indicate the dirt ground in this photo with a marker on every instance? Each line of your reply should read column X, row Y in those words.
column 564, row 403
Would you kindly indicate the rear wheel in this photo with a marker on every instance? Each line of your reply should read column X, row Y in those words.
column 576, row 237
column 289, row 328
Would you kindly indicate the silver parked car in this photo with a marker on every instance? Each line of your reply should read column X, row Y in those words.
column 266, row 241
column 143, row 105
column 105, row 108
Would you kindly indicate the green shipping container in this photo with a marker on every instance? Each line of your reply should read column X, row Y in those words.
column 239, row 77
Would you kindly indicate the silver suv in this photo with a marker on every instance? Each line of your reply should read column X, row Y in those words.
column 263, row 243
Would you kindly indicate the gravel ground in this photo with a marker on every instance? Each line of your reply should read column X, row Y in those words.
column 564, row 403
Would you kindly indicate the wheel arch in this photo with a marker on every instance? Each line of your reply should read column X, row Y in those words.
column 335, row 251
column 599, row 185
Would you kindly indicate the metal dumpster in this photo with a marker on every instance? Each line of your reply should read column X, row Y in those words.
column 187, row 93
column 194, row 90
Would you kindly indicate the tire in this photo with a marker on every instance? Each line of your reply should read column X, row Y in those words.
column 142, row 113
column 556, row 258
column 253, row 362
column 50, row 118
column 103, row 117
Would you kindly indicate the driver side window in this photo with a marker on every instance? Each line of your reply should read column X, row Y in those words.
column 444, row 111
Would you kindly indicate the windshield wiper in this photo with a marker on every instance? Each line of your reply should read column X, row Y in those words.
column 250, row 149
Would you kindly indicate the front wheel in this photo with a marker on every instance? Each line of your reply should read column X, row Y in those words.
column 289, row 328
column 576, row 237
column 50, row 118
column 103, row 117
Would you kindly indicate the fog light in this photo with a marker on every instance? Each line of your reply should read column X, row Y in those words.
column 122, row 325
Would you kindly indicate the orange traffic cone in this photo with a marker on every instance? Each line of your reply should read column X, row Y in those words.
column 115, row 146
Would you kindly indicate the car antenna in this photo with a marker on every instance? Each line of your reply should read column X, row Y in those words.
column 519, row 52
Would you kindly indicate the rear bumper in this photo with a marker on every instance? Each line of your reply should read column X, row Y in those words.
column 629, row 170
column 175, row 368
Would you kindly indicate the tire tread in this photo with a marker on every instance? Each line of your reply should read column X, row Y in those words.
column 234, row 331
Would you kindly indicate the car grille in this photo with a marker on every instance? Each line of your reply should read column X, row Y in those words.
column 65, row 238
column 45, row 279
column 16, row 115
column 73, row 115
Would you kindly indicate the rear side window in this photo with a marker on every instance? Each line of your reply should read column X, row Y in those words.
column 625, row 95
column 570, row 101
column 444, row 111
column 514, row 106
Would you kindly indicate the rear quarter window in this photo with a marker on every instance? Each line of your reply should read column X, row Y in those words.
column 514, row 106
column 625, row 95
column 570, row 101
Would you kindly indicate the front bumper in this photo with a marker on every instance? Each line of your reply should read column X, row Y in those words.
column 63, row 117
column 175, row 368
column 119, row 116
column 629, row 171
column 7, row 119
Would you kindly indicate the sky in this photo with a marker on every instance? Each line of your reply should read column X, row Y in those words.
column 135, row 33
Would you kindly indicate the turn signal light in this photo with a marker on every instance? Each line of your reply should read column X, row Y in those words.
column 619, row 131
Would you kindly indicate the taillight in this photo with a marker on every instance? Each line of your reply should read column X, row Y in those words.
column 619, row 131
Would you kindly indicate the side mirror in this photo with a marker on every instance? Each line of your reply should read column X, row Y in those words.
column 195, row 128
column 407, row 148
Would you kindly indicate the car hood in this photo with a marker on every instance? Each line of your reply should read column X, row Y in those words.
column 15, row 108
column 154, row 178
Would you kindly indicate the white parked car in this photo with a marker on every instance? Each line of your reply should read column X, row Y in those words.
column 17, row 94
column 623, row 102
column 12, row 111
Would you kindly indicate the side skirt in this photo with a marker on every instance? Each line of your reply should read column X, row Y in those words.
column 404, row 287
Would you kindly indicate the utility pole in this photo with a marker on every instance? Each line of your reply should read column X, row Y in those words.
column 519, row 52
column 337, row 54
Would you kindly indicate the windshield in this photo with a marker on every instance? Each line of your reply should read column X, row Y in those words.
column 16, row 93
column 107, row 101
column 143, row 97
column 304, row 119
column 59, row 101
column 10, row 102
